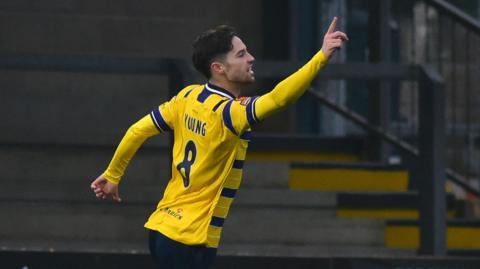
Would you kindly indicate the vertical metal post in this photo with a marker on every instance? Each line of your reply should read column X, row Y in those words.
column 385, row 87
column 306, row 33
column 379, row 94
column 385, row 31
column 432, row 159
column 468, row 96
column 453, row 97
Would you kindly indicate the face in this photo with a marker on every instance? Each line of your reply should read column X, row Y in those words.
column 238, row 63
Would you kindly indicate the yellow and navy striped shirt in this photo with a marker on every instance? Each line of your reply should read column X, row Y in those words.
column 211, row 133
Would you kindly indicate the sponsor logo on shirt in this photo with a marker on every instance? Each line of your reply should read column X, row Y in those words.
column 244, row 101
column 174, row 213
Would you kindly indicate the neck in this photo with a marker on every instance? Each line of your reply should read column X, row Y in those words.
column 232, row 87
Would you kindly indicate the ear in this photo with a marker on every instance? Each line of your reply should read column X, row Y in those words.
column 217, row 68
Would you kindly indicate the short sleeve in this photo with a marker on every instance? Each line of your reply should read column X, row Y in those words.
column 164, row 116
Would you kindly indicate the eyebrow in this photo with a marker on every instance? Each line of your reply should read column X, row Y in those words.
column 240, row 51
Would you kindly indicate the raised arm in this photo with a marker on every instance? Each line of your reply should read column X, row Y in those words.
column 294, row 86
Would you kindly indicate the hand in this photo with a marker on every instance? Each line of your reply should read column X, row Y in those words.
column 104, row 188
column 333, row 40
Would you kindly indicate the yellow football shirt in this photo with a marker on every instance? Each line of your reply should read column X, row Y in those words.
column 211, row 135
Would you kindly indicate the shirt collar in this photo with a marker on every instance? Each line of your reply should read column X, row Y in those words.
column 219, row 90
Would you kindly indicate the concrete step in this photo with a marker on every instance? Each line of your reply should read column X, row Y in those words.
column 245, row 250
column 75, row 108
column 283, row 198
column 386, row 205
column 72, row 222
column 299, row 227
column 77, row 246
column 78, row 192
column 276, row 217
column 64, row 165
column 324, row 250
column 265, row 174
column 138, row 190
column 295, row 217
column 461, row 234
column 65, row 172
column 225, row 249
column 261, row 222
column 348, row 177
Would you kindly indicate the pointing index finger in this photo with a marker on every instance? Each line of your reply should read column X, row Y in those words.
column 332, row 26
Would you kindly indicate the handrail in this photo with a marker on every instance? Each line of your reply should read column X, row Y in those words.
column 459, row 15
column 361, row 71
column 390, row 138
column 368, row 72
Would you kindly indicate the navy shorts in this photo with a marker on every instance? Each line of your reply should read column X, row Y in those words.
column 167, row 253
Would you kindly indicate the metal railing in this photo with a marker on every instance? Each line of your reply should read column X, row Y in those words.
column 437, row 33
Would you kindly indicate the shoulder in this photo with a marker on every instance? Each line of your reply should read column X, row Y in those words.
column 243, row 103
column 188, row 89
column 244, row 107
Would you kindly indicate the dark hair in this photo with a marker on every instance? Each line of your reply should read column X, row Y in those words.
column 209, row 45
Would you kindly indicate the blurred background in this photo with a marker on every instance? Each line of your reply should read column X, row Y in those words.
column 390, row 129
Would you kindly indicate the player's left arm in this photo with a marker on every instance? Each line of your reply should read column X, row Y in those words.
column 294, row 86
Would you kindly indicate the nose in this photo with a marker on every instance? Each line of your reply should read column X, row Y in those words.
column 251, row 59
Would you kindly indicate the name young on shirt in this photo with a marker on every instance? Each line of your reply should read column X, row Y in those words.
column 195, row 125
